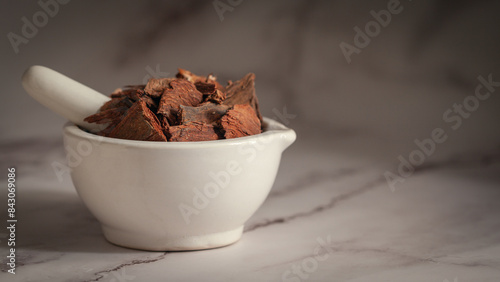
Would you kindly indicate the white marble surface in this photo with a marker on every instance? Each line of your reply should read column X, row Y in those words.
column 441, row 223
column 353, row 121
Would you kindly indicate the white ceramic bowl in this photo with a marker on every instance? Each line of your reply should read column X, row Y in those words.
column 174, row 195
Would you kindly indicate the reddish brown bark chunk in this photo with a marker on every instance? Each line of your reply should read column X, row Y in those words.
column 193, row 78
column 182, row 93
column 139, row 124
column 217, row 97
column 205, row 88
column 117, row 103
column 243, row 92
column 240, row 121
column 187, row 108
column 110, row 114
column 130, row 91
column 193, row 132
column 107, row 116
column 156, row 86
column 206, row 113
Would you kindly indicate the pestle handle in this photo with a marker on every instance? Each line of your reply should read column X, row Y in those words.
column 63, row 95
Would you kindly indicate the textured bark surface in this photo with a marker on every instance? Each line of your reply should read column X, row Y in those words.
column 205, row 88
column 193, row 78
column 207, row 112
column 186, row 108
column 243, row 92
column 139, row 124
column 110, row 114
column 216, row 97
column 182, row 92
column 195, row 131
column 240, row 121
column 156, row 86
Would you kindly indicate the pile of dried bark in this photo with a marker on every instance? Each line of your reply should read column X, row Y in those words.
column 187, row 107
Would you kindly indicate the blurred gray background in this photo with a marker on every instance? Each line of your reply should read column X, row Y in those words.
column 395, row 89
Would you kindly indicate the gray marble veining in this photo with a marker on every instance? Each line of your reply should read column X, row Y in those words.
column 442, row 223
column 332, row 215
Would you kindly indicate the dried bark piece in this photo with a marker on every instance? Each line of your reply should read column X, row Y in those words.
column 186, row 108
column 156, row 86
column 111, row 113
column 240, row 121
column 134, row 95
column 193, row 78
column 206, row 88
column 210, row 92
column 152, row 103
column 107, row 116
column 114, row 110
column 139, row 124
column 194, row 131
column 208, row 113
column 129, row 91
column 164, row 124
column 217, row 97
column 243, row 92
column 182, row 93
column 119, row 102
